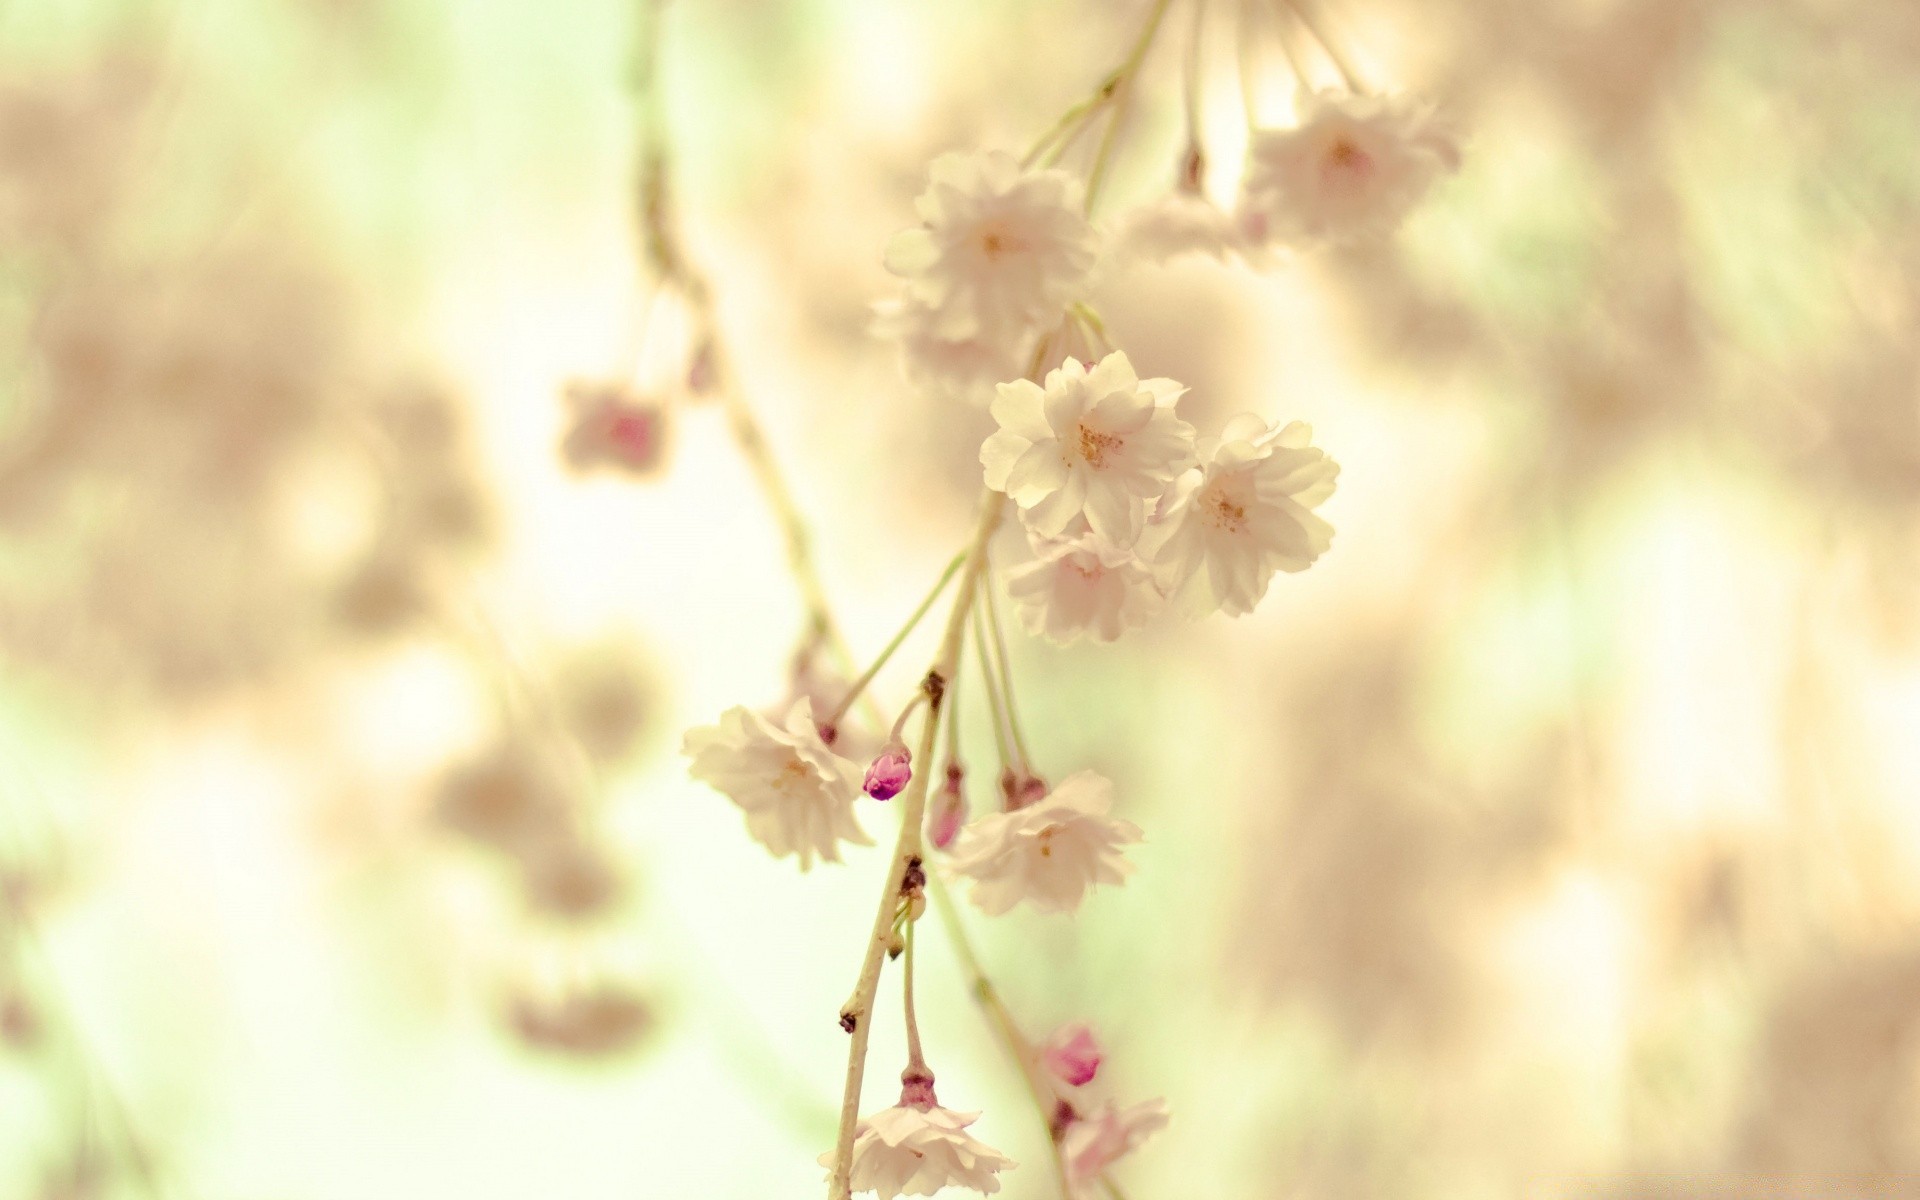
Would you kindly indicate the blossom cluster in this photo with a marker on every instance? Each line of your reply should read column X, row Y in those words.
column 1348, row 172
column 1126, row 509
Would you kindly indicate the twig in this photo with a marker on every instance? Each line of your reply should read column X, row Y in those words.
column 855, row 1014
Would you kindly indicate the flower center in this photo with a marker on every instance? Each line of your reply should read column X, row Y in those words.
column 791, row 776
column 1095, row 446
column 1046, row 841
column 1222, row 511
column 631, row 433
column 1346, row 157
column 997, row 242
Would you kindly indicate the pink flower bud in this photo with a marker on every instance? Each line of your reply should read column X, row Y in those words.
column 1072, row 1055
column 889, row 772
column 949, row 810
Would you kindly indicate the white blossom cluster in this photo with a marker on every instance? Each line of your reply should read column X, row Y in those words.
column 1128, row 511
column 1348, row 172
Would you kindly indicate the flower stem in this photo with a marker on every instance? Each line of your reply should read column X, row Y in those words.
column 1294, row 62
column 856, row 1013
column 89, row 1075
column 1006, row 675
column 916, row 1060
column 664, row 254
column 1309, row 13
column 860, row 685
column 952, row 702
column 996, row 708
column 1120, row 90
column 1243, row 54
column 1004, row 1028
column 1190, row 91
column 1069, row 126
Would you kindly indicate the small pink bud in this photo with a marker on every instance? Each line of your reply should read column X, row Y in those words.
column 949, row 810
column 1072, row 1055
column 889, row 772
column 614, row 427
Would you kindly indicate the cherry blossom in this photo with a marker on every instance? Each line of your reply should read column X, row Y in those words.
column 1351, row 169
column 1083, row 587
column 915, row 1149
column 1047, row 853
column 966, row 368
column 1095, row 442
column 1072, row 1055
column 1245, row 514
column 999, row 251
column 797, row 793
column 1093, row 1143
column 1180, row 223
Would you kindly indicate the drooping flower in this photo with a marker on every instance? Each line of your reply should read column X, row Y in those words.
column 1094, row 442
column 999, row 251
column 966, row 368
column 1244, row 514
column 812, row 679
column 1180, row 223
column 614, row 427
column 1047, row 853
column 1351, row 169
column 797, row 793
column 1086, row 586
column 916, row 1148
column 1021, row 788
column 1094, row 1142
column 889, row 772
column 1072, row 1055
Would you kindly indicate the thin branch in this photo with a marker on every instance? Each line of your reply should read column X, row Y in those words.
column 856, row 1013
column 860, row 685
column 996, row 707
column 1309, row 13
column 1006, row 676
column 1122, row 91
column 1005, row 1029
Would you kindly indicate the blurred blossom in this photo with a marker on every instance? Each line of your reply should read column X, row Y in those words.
column 613, row 427
column 593, row 1021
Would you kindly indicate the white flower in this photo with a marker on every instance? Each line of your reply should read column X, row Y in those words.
column 961, row 367
column 910, row 1151
column 798, row 794
column 1094, row 442
column 1244, row 514
column 1092, row 1144
column 1048, row 853
column 1179, row 223
column 1351, row 170
column 1084, row 586
column 999, row 252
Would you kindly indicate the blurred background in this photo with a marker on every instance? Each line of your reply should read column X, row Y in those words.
column 1558, row 834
